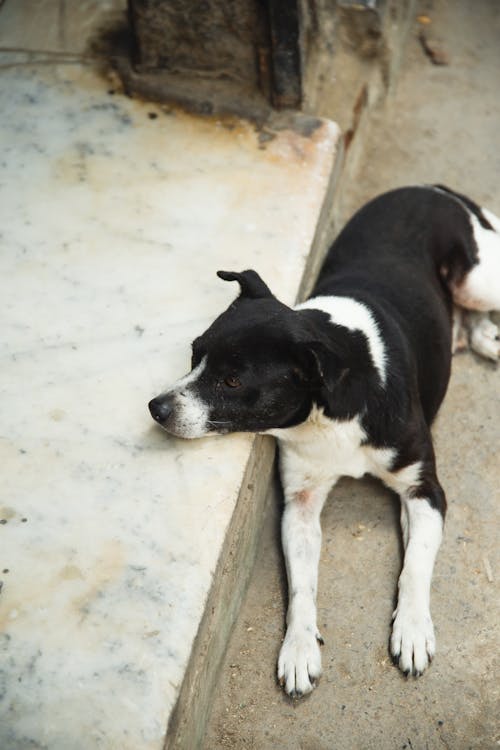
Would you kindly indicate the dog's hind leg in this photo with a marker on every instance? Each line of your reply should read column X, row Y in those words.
column 471, row 264
column 477, row 329
column 484, row 335
column 479, row 289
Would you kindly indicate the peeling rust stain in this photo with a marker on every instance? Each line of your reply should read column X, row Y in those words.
column 359, row 106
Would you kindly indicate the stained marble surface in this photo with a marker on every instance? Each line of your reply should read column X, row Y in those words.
column 114, row 217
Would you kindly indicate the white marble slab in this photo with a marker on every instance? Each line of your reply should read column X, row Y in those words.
column 113, row 222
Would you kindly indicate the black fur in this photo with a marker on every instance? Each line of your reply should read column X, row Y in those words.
column 470, row 204
column 266, row 364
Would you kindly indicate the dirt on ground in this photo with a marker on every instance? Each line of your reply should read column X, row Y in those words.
column 442, row 124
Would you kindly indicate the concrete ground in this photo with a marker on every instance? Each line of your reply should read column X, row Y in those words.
column 442, row 124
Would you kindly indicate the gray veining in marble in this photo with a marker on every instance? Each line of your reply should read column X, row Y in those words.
column 114, row 217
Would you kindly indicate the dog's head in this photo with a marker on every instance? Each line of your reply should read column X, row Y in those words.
column 260, row 366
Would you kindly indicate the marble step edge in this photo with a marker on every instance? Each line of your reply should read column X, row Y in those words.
column 187, row 722
column 192, row 710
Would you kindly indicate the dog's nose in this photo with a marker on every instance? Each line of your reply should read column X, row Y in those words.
column 161, row 409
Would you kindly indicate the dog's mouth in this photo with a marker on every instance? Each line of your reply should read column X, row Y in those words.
column 219, row 426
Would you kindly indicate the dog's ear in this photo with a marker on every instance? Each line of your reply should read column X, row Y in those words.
column 329, row 365
column 251, row 284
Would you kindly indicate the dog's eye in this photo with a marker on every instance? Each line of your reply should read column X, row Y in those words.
column 232, row 381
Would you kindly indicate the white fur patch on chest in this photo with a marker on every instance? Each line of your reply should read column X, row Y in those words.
column 320, row 450
column 355, row 316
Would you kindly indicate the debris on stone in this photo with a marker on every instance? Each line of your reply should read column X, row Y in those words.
column 433, row 50
column 487, row 567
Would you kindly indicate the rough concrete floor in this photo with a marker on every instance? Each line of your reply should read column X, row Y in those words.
column 442, row 124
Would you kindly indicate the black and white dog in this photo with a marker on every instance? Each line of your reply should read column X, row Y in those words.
column 349, row 383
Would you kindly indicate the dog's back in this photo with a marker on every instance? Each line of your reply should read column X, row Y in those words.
column 401, row 255
column 410, row 229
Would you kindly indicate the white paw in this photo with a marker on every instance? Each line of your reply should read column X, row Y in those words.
column 413, row 644
column 485, row 338
column 299, row 663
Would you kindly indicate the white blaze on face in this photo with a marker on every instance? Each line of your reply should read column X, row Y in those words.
column 190, row 414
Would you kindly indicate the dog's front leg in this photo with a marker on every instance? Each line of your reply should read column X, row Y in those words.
column 299, row 663
column 412, row 641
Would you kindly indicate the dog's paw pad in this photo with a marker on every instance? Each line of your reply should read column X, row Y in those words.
column 299, row 663
column 413, row 644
